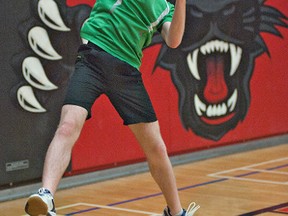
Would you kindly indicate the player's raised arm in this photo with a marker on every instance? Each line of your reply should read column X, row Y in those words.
column 172, row 32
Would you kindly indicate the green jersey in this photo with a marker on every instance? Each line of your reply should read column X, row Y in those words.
column 124, row 27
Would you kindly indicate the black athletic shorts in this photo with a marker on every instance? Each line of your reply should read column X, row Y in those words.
column 96, row 73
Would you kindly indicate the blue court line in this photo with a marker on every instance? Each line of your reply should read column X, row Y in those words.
column 256, row 172
column 148, row 196
column 278, row 167
column 247, row 174
column 180, row 189
column 265, row 210
column 281, row 213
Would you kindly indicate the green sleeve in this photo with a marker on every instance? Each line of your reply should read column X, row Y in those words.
column 167, row 18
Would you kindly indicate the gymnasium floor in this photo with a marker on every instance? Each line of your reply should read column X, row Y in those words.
column 243, row 184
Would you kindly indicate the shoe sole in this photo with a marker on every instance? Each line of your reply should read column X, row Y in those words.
column 35, row 206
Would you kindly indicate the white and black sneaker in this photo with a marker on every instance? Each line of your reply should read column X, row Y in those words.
column 193, row 207
column 41, row 203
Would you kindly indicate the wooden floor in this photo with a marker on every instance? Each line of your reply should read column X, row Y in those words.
column 247, row 183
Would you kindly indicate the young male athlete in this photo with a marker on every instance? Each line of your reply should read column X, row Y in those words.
column 117, row 31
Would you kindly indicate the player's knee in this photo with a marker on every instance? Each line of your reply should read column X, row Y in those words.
column 68, row 129
column 158, row 150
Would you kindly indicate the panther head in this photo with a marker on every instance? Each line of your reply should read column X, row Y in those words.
column 213, row 66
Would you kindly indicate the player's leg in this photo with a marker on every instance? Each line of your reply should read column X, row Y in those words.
column 149, row 137
column 130, row 98
column 85, row 86
column 128, row 95
column 57, row 160
column 59, row 151
column 83, row 89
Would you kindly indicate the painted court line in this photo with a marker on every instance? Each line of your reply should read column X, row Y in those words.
column 254, row 171
column 253, row 180
column 268, row 162
column 250, row 166
column 267, row 171
column 272, row 209
column 148, row 196
column 96, row 206
column 218, row 175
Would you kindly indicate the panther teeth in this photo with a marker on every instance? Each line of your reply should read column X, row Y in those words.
column 216, row 110
column 213, row 47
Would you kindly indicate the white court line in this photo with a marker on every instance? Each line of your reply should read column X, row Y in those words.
column 249, row 179
column 106, row 207
column 114, row 208
column 266, row 171
column 267, row 162
column 246, row 167
column 249, row 168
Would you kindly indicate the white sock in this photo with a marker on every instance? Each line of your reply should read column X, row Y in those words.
column 179, row 213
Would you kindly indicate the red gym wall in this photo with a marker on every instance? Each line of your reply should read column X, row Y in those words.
column 105, row 142
column 200, row 103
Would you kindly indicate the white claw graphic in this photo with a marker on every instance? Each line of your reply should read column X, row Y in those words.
column 40, row 43
column 50, row 15
column 34, row 73
column 28, row 101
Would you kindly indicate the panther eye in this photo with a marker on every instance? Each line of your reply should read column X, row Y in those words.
column 229, row 10
column 196, row 12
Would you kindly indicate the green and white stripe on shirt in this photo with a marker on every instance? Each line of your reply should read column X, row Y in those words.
column 124, row 27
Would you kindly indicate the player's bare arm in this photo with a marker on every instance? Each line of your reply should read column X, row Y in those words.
column 172, row 32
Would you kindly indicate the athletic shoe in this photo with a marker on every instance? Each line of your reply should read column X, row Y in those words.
column 40, row 203
column 189, row 212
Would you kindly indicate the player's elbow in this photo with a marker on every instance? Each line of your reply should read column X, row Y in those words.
column 172, row 36
column 173, row 43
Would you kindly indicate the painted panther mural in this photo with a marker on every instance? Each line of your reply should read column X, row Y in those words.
column 52, row 38
column 213, row 66
column 39, row 39
column 211, row 69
